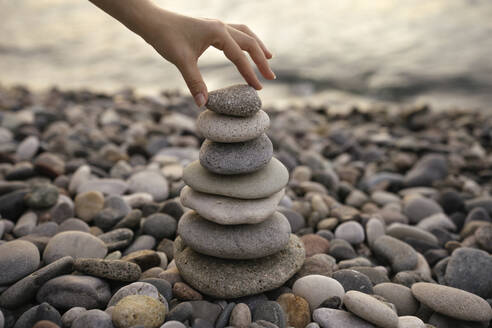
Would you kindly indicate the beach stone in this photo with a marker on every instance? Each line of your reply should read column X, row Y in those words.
column 25, row 289
column 427, row 170
column 402, row 231
column 469, row 269
column 37, row 313
column 478, row 214
column 400, row 255
column 483, row 236
column 377, row 275
column 260, row 184
column 75, row 244
column 237, row 100
column 12, row 204
column 117, row 238
column 143, row 242
column 160, row 225
column 62, row 210
column 315, row 244
column 49, row 164
column 20, row 171
column 374, row 229
column 316, row 288
column 452, row 302
column 350, row 231
column 230, row 129
column 437, row 221
column 145, row 258
column 223, row 319
column 115, row 209
column 230, row 211
column 104, row 186
column 81, row 175
column 240, row 316
column 27, row 148
column 108, row 269
column 67, row 291
column 181, row 312
column 134, row 310
column 163, row 287
column 173, row 324
column 236, row 158
column 136, row 288
column 151, row 182
column 184, row 292
column 370, row 309
column 241, row 277
column 419, row 208
column 42, row 196
column 320, row 264
column 88, row 205
column 400, row 296
column 26, row 224
column 296, row 309
column 94, row 319
column 333, row 318
column 353, row 280
column 45, row 324
column 71, row 315
column 341, row 249
column 234, row 241
column 357, row 261
column 296, row 220
column 410, row 322
column 18, row 258
column 270, row 311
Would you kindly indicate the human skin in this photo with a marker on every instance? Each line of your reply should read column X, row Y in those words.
column 182, row 40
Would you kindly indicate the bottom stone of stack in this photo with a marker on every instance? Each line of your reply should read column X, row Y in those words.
column 236, row 278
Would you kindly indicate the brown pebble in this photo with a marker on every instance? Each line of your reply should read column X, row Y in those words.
column 145, row 259
column 152, row 273
column 184, row 292
column 314, row 244
column 45, row 324
column 171, row 275
column 240, row 316
column 296, row 309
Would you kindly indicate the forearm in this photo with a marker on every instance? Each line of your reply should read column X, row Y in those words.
column 134, row 14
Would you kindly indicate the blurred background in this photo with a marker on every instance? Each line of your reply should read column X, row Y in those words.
column 437, row 51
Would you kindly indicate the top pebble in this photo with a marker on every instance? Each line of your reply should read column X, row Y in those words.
column 237, row 100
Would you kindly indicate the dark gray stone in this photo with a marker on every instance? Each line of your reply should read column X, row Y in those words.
column 427, row 170
column 270, row 311
column 18, row 258
column 37, row 313
column 160, row 226
column 42, row 196
column 236, row 158
column 353, row 280
column 117, row 238
column 93, row 319
column 399, row 254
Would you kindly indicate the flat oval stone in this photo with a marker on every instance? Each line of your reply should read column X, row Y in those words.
column 18, row 258
column 236, row 100
column 260, row 184
column 452, row 302
column 110, row 269
column 226, row 210
column 370, row 309
column 236, row 158
column 247, row 241
column 75, row 244
column 138, row 310
column 401, row 296
column 399, row 254
column 222, row 128
column 230, row 279
column 70, row 291
column 316, row 289
column 333, row 318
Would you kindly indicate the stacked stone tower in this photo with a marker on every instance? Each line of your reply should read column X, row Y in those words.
column 234, row 243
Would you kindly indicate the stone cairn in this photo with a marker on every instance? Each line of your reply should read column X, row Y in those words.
column 234, row 243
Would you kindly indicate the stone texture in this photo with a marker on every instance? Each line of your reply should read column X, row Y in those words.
column 236, row 158
column 229, row 129
column 230, row 211
column 333, row 318
column 240, row 316
column 237, row 100
column 136, row 288
column 94, row 319
column 296, row 309
column 353, row 280
column 400, row 255
column 260, row 184
column 25, row 289
column 234, row 241
column 67, row 291
column 108, row 269
column 350, row 231
column 453, row 302
column 88, row 205
column 223, row 279
column 18, row 258
column 316, row 288
column 135, row 310
column 370, row 309
column 401, row 296
column 75, row 244
column 151, row 182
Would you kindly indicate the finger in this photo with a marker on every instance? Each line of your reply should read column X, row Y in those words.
column 234, row 53
column 250, row 45
column 194, row 81
column 245, row 29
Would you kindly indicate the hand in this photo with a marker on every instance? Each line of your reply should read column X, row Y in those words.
column 182, row 40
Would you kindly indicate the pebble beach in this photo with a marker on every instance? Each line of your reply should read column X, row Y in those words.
column 362, row 218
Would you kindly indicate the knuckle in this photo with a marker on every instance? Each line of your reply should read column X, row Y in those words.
column 218, row 25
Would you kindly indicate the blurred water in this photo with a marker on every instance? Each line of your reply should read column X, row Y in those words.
column 438, row 51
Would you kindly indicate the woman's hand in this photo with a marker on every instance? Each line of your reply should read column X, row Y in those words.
column 182, row 40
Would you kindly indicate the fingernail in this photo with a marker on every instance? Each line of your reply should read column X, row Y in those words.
column 274, row 76
column 200, row 99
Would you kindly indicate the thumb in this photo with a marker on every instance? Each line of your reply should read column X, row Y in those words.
column 194, row 81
